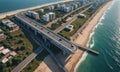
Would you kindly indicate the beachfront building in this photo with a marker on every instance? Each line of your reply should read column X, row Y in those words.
column 67, row 9
column 61, row 7
column 51, row 8
column 57, row 6
column 74, row 5
column 41, row 10
column 49, row 16
column 33, row 14
column 69, row 28
column 12, row 26
column 46, row 17
column 13, row 53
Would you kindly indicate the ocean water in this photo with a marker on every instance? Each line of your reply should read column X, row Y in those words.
column 105, row 39
column 11, row 5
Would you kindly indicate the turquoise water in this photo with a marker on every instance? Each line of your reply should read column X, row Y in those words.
column 11, row 5
column 106, row 40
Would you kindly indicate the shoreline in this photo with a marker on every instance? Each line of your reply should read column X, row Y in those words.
column 83, row 39
column 3, row 15
column 94, row 22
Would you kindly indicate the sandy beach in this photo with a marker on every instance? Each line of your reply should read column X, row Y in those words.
column 82, row 39
column 3, row 15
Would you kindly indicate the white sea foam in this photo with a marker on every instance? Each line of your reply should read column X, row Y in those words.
column 93, row 43
column 84, row 56
column 81, row 60
column 111, row 5
column 90, row 37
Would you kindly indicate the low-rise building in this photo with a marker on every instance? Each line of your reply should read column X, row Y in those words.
column 5, row 51
column 10, row 57
column 1, row 48
column 1, row 31
column 81, row 15
column 33, row 14
column 69, row 28
column 13, row 53
column 2, row 35
column 4, row 60
column 12, row 26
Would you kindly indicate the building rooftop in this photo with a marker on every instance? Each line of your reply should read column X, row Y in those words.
column 4, row 60
column 81, row 15
column 51, row 13
column 6, row 21
column 1, row 48
column 1, row 30
column 13, row 53
column 5, row 51
column 69, row 27
column 2, row 34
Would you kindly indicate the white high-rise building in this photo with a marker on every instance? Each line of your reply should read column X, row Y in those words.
column 67, row 9
column 33, row 14
column 51, row 8
column 49, row 16
column 41, row 10
column 46, row 17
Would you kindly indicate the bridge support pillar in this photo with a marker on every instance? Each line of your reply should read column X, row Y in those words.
column 64, row 53
column 23, row 24
column 28, row 27
column 48, row 44
column 35, row 32
column 44, row 39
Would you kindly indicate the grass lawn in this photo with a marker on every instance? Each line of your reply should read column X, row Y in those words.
column 77, row 24
column 35, row 63
column 17, row 41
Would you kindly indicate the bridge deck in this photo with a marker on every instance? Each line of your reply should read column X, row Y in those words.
column 50, row 34
column 87, row 49
column 53, row 36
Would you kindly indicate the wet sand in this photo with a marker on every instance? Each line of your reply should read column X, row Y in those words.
column 82, row 39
